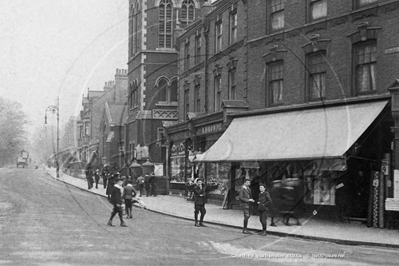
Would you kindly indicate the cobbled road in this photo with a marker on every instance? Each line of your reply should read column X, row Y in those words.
column 46, row 222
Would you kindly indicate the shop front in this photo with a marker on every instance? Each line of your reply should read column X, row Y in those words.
column 325, row 160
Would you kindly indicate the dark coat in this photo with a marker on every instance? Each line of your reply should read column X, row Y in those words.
column 116, row 195
column 199, row 195
column 264, row 200
column 129, row 192
column 111, row 184
column 245, row 195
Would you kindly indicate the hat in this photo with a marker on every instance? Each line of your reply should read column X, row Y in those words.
column 199, row 179
column 247, row 179
column 146, row 175
column 118, row 179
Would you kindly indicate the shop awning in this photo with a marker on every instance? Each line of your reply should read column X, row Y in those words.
column 297, row 135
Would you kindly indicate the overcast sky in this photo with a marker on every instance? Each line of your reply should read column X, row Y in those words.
column 53, row 48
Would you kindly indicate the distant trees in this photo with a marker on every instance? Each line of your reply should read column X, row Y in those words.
column 12, row 130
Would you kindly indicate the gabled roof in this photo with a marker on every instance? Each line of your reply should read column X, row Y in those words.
column 116, row 113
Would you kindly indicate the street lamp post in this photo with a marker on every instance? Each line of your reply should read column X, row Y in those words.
column 55, row 109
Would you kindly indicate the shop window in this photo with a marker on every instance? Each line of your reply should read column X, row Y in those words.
column 165, row 24
column 317, row 9
column 275, row 82
column 316, row 77
column 277, row 15
column 363, row 3
column 365, row 67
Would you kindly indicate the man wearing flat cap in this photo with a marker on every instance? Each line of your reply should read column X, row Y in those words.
column 246, row 201
column 199, row 202
column 116, row 200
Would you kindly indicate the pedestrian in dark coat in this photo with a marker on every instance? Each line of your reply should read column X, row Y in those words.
column 117, row 201
column 105, row 174
column 89, row 177
column 110, row 185
column 97, row 177
column 264, row 200
column 147, row 184
column 153, row 184
column 128, row 194
column 199, row 202
column 246, row 201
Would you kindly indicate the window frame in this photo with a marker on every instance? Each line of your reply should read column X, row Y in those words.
column 270, row 80
column 217, row 93
column 186, row 18
column 165, row 35
column 197, row 59
column 197, row 98
column 356, row 64
column 186, row 100
column 232, row 93
column 233, row 26
column 358, row 5
column 218, row 36
column 311, row 73
column 187, row 55
column 310, row 9
column 276, row 8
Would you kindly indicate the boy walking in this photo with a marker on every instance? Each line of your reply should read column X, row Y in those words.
column 116, row 201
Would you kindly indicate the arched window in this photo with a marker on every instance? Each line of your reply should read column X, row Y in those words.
column 187, row 12
column 134, row 29
column 173, row 91
column 162, row 90
column 165, row 24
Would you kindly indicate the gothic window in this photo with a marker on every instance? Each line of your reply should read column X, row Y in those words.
column 187, row 12
column 165, row 24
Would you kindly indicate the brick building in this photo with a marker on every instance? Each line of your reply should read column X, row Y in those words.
column 314, row 78
column 152, row 74
column 114, row 91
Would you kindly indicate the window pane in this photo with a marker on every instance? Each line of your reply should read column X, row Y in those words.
column 365, row 2
column 277, row 89
column 173, row 92
column 277, row 20
column 318, row 85
column 318, row 9
column 162, row 91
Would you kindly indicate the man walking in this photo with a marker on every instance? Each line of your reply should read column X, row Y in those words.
column 89, row 177
column 264, row 200
column 105, row 176
column 140, row 182
column 199, row 202
column 116, row 201
column 246, row 201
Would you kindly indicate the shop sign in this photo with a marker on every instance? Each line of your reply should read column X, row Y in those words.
column 209, row 129
column 392, row 50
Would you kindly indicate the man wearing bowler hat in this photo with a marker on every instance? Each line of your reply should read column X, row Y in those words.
column 246, row 201
column 116, row 200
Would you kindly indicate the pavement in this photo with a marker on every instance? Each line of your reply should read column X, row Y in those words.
column 312, row 228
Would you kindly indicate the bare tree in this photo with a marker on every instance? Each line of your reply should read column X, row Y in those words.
column 12, row 130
